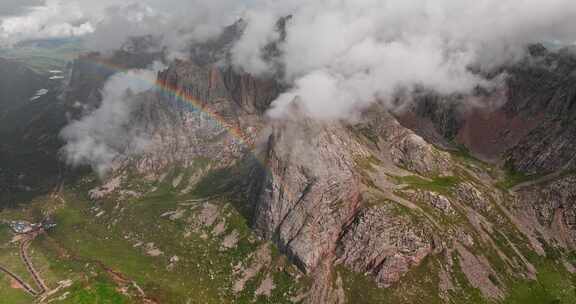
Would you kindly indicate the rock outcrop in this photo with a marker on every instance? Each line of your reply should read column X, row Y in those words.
column 302, row 205
column 384, row 244
column 553, row 204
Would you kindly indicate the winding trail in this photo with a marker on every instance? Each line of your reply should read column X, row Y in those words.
column 26, row 259
column 25, row 245
column 24, row 285
column 23, row 251
column 121, row 279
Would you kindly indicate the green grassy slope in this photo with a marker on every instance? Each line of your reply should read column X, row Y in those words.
column 89, row 249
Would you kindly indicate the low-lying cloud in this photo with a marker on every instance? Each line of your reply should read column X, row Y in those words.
column 342, row 55
column 107, row 134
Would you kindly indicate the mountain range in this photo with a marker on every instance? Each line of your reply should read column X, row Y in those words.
column 453, row 199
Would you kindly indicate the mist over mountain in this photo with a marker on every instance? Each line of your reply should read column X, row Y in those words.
column 346, row 54
column 288, row 152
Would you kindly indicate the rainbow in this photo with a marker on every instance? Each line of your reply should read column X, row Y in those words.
column 197, row 105
column 184, row 98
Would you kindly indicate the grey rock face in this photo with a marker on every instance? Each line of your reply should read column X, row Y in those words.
column 204, row 112
column 548, row 148
column 469, row 195
column 311, row 191
column 554, row 206
column 527, row 122
column 415, row 154
column 403, row 147
column 436, row 200
column 312, row 203
column 542, row 90
column 383, row 244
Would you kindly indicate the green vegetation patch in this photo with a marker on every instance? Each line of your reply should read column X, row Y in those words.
column 100, row 291
column 367, row 163
column 115, row 233
column 513, row 177
column 465, row 292
column 367, row 132
column 5, row 234
column 10, row 295
column 554, row 285
column 419, row 286
column 440, row 184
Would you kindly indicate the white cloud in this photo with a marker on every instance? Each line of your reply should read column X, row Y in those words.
column 54, row 19
column 107, row 134
column 107, row 23
column 344, row 54
column 14, row 7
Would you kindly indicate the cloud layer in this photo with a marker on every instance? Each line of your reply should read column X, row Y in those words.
column 342, row 55
column 337, row 56
column 51, row 20
column 15, row 7
column 105, row 24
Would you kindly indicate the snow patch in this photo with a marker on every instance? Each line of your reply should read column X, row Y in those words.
column 39, row 94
